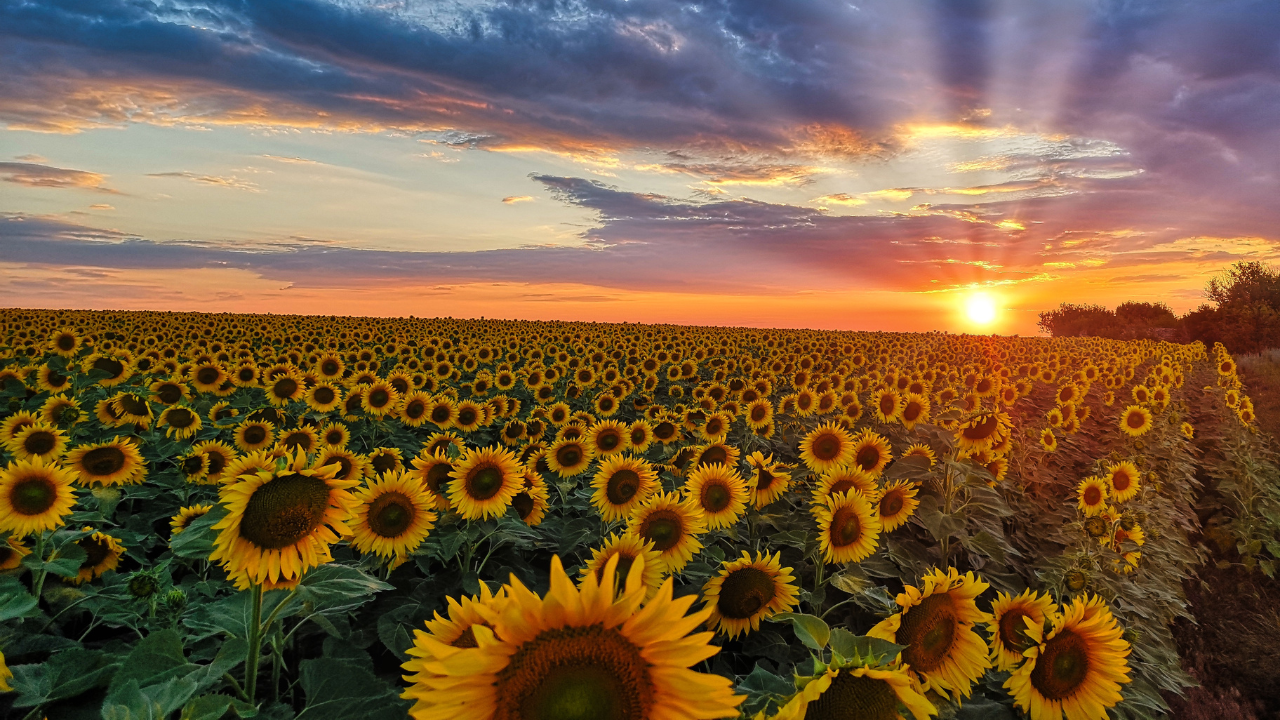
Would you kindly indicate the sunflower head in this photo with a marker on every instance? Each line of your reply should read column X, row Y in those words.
column 672, row 525
column 394, row 515
column 896, row 504
column 1135, row 420
column 848, row 527
column 748, row 590
column 718, row 492
column 827, row 447
column 35, row 496
column 621, row 484
column 1010, row 618
column 484, row 481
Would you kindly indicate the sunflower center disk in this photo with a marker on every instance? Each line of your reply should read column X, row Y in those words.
column 207, row 376
column 846, row 529
column 284, row 511
column 928, row 630
column 763, row 479
column 715, row 497
column 568, row 456
column 108, row 365
column 826, row 448
column 608, row 441
column 438, row 479
column 95, row 552
column 744, row 592
column 181, row 418
column 586, row 673
column 285, row 387
column 663, row 528
column 854, row 698
column 1062, row 667
column 891, row 504
column 523, row 503
column 982, row 430
column 104, row 460
column 715, row 454
column 39, row 443
column 32, row 496
column 483, row 483
column 868, row 457
column 391, row 514
column 622, row 486
column 1012, row 630
column 1092, row 496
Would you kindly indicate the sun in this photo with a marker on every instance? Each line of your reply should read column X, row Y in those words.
column 981, row 309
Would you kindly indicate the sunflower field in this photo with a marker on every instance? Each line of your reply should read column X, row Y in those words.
column 221, row 516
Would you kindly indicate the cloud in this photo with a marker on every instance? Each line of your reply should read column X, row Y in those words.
column 218, row 181
column 31, row 158
column 101, row 206
column 512, row 200
column 292, row 160
column 45, row 176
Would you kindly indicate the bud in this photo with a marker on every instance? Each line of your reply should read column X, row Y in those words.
column 1076, row 580
column 142, row 585
column 176, row 600
column 14, row 405
column 1095, row 526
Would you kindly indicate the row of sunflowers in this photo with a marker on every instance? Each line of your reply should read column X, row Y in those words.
column 267, row 516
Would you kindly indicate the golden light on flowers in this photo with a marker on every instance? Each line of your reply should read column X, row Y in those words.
column 116, row 462
column 38, row 440
column 827, row 446
column 848, row 527
column 1009, row 617
column 627, row 548
column 897, row 503
column 102, row 553
column 857, row 693
column 1135, row 420
column 1092, row 494
column 453, row 630
column 719, row 492
column 887, row 403
column 484, row 481
column 280, row 524
column 34, row 496
column 871, row 452
column 1124, row 480
column 578, row 654
column 672, row 525
column 621, row 484
column 982, row 431
column 747, row 591
column 936, row 625
column 393, row 517
column 179, row 422
column 569, row 457
column 770, row 480
column 1076, row 669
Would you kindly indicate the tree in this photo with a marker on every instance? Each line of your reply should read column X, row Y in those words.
column 1074, row 320
column 1246, row 312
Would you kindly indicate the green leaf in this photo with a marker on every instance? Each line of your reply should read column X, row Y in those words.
column 811, row 630
column 981, row 708
column 155, row 702
column 66, row 562
column 336, row 689
column 850, row 646
column 15, row 601
column 65, row 675
column 206, row 707
column 333, row 587
column 156, row 658
column 761, row 687
column 196, row 541
column 987, row 545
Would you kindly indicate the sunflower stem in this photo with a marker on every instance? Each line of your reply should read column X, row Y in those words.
column 255, row 646
column 40, row 574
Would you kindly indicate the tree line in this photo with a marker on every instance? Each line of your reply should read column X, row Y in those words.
column 1242, row 313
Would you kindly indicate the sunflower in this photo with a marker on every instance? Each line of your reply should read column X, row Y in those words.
column 14, row 424
column 1188, row 431
column 865, row 693
column 626, row 547
column 1135, row 420
column 770, row 482
column 569, row 457
column 131, row 409
column 671, row 525
column 206, row 377
column 827, row 447
column 484, row 481
column 921, row 450
column 385, row 460
column 34, row 496
column 759, row 413
column 621, row 484
column 51, row 380
column 186, row 516
column 470, row 416
column 221, row 411
column 179, row 422
column 441, row 442
column 1009, row 619
column 115, row 462
column 11, row 554
column 322, row 397
column 220, row 456
column 715, row 453
column 38, row 440
column 747, row 591
column 897, row 503
column 848, row 527
column 281, row 523
column 65, row 342
column 1076, row 669
column 719, row 492
column 666, row 431
column 455, row 630
column 982, row 431
column 393, row 517
column 61, row 411
column 716, row 427
column 1124, row 480
column 102, row 553
column 532, row 501
column 105, row 411
column 639, row 436
column 888, row 405
column 169, row 392
column 1048, row 440
column 936, row 627
column 253, row 436
column 915, row 410
column 433, row 470
column 844, row 479
column 577, row 653
column 607, row 437
column 379, row 399
column 871, row 452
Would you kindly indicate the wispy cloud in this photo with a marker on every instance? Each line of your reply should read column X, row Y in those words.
column 513, row 199
column 231, row 182
column 45, row 176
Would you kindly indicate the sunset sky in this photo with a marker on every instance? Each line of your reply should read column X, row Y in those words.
column 836, row 165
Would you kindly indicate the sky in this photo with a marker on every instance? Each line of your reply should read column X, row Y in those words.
column 887, row 165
